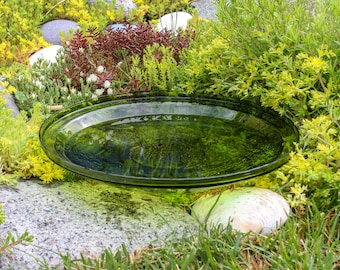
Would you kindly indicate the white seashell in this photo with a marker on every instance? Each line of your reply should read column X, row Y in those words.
column 48, row 54
column 247, row 209
column 174, row 21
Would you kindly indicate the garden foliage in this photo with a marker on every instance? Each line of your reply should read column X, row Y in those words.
column 19, row 30
column 157, row 8
column 20, row 151
column 20, row 33
column 2, row 215
column 96, row 63
column 109, row 59
column 284, row 54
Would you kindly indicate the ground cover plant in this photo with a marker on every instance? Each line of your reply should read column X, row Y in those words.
column 313, row 244
column 20, row 34
column 96, row 63
column 284, row 54
column 288, row 64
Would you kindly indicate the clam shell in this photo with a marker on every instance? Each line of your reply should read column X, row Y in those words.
column 247, row 209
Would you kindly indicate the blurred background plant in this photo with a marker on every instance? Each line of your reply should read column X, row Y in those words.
column 19, row 31
column 157, row 8
column 98, row 14
column 97, row 63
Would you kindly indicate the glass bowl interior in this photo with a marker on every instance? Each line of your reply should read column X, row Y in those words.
column 171, row 142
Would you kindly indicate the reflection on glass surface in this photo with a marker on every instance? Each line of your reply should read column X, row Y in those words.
column 168, row 142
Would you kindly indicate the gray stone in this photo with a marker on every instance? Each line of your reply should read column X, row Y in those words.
column 206, row 9
column 51, row 30
column 87, row 217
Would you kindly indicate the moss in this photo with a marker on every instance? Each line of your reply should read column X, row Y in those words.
column 118, row 203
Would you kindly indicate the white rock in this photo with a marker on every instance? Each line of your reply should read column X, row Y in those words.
column 48, row 54
column 174, row 21
column 247, row 209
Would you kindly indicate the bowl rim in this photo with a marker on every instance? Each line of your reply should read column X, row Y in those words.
column 161, row 182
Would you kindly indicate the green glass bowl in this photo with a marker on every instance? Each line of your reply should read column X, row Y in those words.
column 171, row 142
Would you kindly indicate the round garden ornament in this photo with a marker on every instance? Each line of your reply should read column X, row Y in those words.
column 169, row 142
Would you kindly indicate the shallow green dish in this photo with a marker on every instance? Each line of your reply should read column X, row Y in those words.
column 173, row 142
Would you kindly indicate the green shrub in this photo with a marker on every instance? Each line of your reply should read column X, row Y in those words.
column 2, row 215
column 312, row 237
column 97, row 15
column 157, row 8
column 128, row 60
column 284, row 54
column 20, row 151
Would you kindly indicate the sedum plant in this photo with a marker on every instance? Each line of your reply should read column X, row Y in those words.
column 11, row 241
column 99, row 14
column 38, row 84
column 285, row 55
column 104, row 57
column 19, row 30
column 2, row 215
column 103, row 63
column 157, row 8
column 21, row 152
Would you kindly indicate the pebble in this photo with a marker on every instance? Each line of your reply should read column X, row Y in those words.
column 52, row 29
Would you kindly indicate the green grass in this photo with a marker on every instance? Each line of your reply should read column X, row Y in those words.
column 310, row 239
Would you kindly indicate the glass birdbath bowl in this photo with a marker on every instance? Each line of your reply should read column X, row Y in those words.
column 170, row 142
